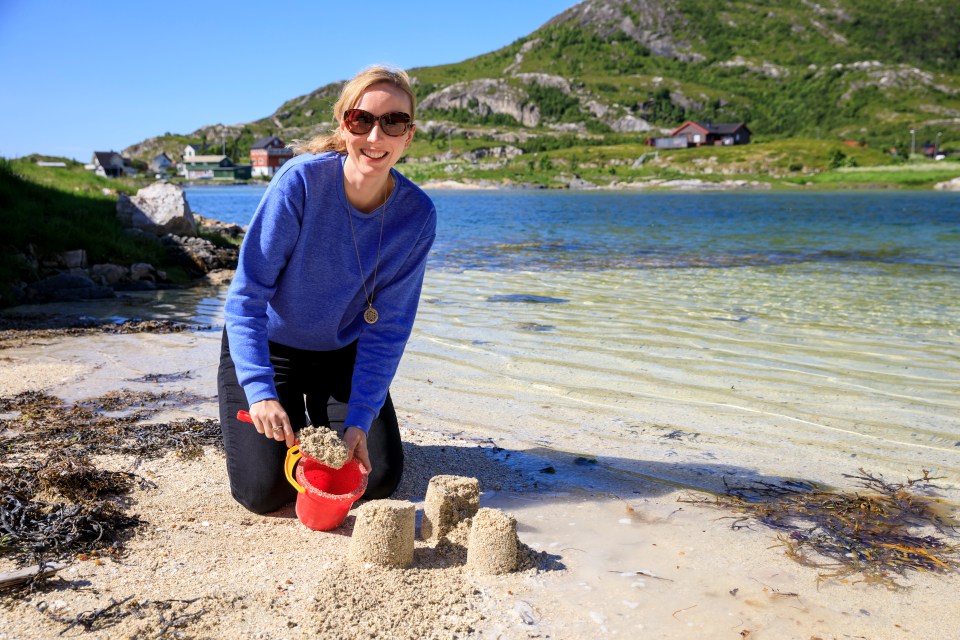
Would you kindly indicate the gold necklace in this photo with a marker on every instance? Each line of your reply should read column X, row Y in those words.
column 370, row 316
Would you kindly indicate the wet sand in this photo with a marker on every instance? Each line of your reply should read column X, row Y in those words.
column 620, row 555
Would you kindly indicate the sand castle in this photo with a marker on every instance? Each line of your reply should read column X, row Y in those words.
column 385, row 529
column 449, row 501
column 493, row 544
column 383, row 533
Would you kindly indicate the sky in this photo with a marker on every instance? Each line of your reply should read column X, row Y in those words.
column 78, row 76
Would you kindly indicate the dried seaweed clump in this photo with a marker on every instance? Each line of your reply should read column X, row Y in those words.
column 45, row 422
column 56, row 509
column 884, row 532
column 171, row 615
column 16, row 331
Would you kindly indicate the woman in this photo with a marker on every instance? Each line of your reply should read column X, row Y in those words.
column 325, row 296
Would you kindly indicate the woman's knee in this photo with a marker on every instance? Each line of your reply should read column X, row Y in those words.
column 262, row 502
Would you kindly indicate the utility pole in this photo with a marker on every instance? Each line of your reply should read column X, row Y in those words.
column 913, row 142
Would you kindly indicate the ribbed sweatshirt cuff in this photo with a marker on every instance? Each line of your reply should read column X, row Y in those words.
column 259, row 389
column 360, row 417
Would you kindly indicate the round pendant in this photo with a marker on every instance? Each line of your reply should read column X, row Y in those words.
column 370, row 315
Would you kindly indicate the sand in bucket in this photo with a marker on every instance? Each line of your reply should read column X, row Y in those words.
column 449, row 501
column 323, row 445
column 325, row 495
column 383, row 533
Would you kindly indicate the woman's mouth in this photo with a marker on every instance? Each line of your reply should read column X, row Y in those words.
column 374, row 155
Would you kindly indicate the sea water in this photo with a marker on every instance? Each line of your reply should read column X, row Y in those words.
column 689, row 336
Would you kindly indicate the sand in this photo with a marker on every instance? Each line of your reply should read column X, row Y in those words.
column 492, row 546
column 603, row 553
column 383, row 533
column 324, row 446
column 449, row 501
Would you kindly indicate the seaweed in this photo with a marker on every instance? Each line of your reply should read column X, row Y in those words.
column 111, row 614
column 882, row 532
column 45, row 422
column 55, row 504
column 16, row 331
column 46, row 513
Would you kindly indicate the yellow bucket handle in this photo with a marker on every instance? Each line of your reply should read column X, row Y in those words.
column 293, row 456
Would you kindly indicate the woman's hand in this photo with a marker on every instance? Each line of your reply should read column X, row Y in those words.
column 272, row 421
column 356, row 442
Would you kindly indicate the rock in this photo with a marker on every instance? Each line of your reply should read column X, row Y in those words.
column 108, row 274
column 74, row 259
column 485, row 96
column 949, row 185
column 579, row 183
column 198, row 255
column 65, row 287
column 160, row 208
column 631, row 124
column 218, row 277
column 142, row 271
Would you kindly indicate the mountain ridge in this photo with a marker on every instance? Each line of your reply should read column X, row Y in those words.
column 606, row 71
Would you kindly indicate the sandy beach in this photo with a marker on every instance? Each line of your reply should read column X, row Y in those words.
column 608, row 554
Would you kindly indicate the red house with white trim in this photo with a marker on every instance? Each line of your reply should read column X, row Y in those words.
column 706, row 133
column 268, row 154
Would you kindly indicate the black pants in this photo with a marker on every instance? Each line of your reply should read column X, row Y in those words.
column 314, row 386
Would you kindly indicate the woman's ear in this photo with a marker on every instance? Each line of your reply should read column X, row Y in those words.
column 413, row 129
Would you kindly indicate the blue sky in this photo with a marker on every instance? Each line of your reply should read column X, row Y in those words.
column 80, row 76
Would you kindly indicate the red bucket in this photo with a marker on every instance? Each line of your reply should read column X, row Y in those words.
column 325, row 495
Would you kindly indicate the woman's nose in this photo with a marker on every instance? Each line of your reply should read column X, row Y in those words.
column 375, row 133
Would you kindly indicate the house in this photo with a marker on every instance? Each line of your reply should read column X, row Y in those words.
column 698, row 134
column 110, row 164
column 268, row 154
column 196, row 167
column 161, row 163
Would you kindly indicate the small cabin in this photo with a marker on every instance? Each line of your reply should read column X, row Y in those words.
column 268, row 154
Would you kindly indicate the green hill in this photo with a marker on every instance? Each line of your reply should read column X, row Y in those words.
column 605, row 75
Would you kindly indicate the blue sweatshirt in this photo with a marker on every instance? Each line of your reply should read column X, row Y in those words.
column 298, row 282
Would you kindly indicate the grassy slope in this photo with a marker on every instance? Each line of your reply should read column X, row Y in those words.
column 52, row 210
column 786, row 100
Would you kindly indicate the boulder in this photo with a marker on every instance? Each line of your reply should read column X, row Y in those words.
column 108, row 274
column 949, row 185
column 65, row 287
column 74, row 259
column 159, row 209
column 198, row 255
column 143, row 271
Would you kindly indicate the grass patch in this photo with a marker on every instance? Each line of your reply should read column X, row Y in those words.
column 45, row 211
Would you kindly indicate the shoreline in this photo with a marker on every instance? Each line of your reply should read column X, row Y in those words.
column 693, row 183
column 622, row 556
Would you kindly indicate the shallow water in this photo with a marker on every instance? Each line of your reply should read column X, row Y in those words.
column 684, row 336
column 689, row 373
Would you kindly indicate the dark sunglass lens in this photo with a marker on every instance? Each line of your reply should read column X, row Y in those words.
column 394, row 124
column 358, row 121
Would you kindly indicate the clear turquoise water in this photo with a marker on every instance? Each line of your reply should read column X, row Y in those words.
column 588, row 230
column 688, row 336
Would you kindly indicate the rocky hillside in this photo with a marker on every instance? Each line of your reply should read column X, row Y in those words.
column 613, row 71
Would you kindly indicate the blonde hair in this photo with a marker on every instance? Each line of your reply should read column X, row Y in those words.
column 349, row 98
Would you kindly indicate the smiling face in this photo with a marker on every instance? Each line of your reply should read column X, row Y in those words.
column 371, row 155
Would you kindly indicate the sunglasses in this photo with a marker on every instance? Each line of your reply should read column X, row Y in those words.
column 360, row 122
